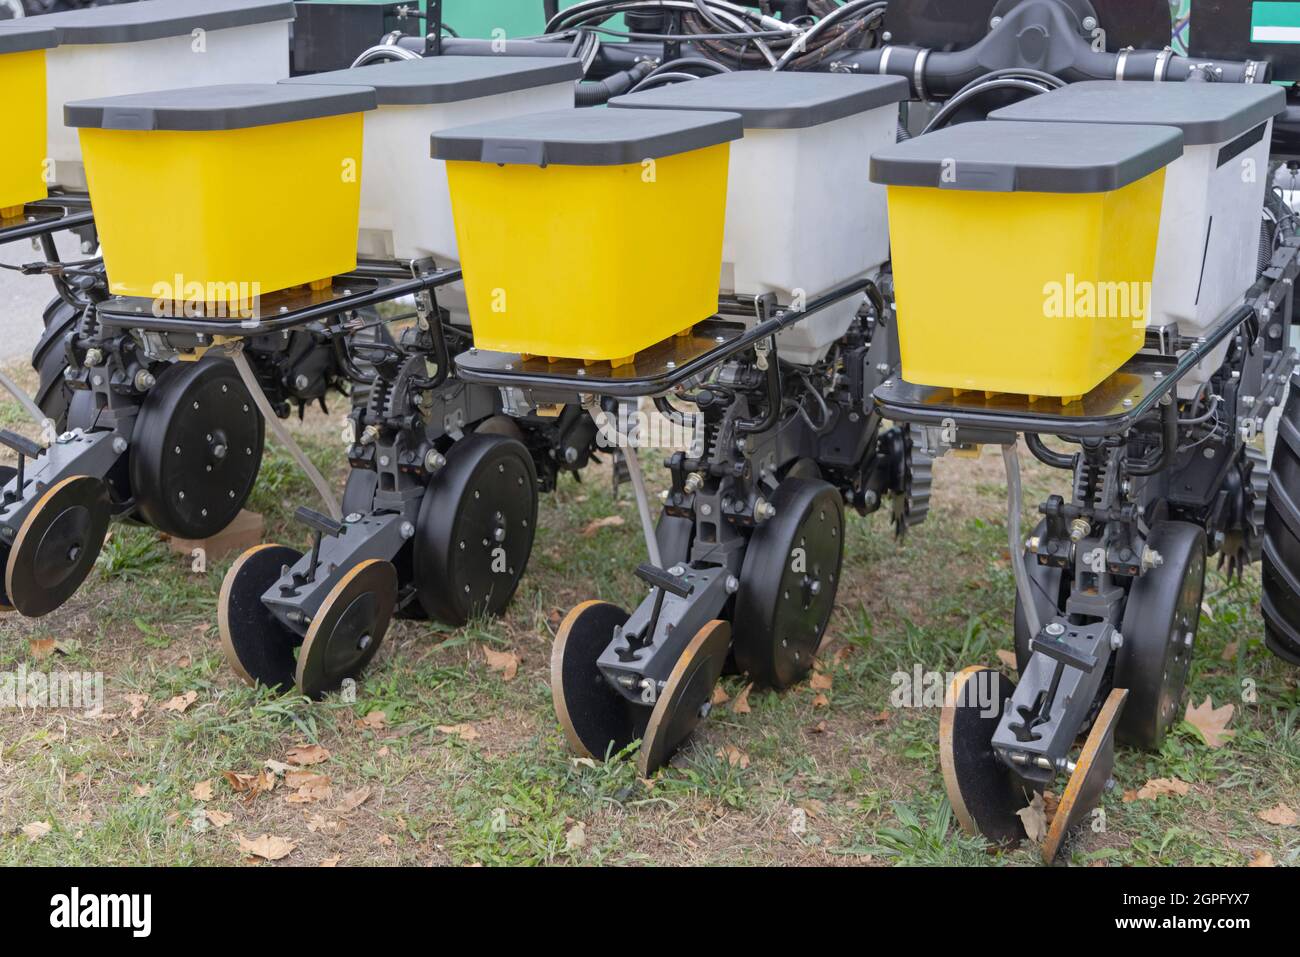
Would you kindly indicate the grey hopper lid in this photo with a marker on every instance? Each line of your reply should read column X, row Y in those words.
column 1205, row 112
column 20, row 37
column 156, row 19
column 1009, row 157
column 776, row 101
column 207, row 108
column 450, row 79
column 590, row 137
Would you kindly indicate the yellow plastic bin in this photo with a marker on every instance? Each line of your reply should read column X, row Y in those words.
column 22, row 78
column 589, row 234
column 1023, row 252
column 224, row 194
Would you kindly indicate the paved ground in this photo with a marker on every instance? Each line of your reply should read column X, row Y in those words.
column 23, row 299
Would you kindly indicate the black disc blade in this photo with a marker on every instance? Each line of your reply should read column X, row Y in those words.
column 683, row 701
column 1091, row 774
column 983, row 795
column 348, row 628
column 56, row 547
column 256, row 645
column 597, row 720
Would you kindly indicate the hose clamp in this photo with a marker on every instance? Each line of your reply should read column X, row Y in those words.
column 884, row 61
column 1121, row 62
column 918, row 73
column 1162, row 64
column 1254, row 71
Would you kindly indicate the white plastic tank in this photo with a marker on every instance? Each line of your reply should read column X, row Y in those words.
column 802, row 216
column 156, row 45
column 405, row 202
column 1208, row 251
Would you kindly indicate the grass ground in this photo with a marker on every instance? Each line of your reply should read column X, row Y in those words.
column 441, row 759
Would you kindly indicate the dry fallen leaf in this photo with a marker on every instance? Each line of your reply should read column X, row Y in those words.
column 1281, row 815
column 465, row 732
column 1262, row 859
column 741, row 703
column 305, row 755
column 266, row 847
column 329, row 862
column 734, row 756
column 275, row 767
column 1212, row 722
column 818, row 728
column 1034, row 819
column 1229, row 651
column 217, row 818
column 181, row 702
column 202, row 791
column 250, row 784
column 309, row 788
column 319, row 824
column 575, row 837
column 42, row 648
column 820, row 682
column 142, row 790
column 353, row 800
column 137, row 703
column 36, row 830
column 374, row 721
column 1160, row 787
column 506, row 662
column 383, row 840
column 720, row 696
column 821, row 701
column 1008, row 658
column 609, row 521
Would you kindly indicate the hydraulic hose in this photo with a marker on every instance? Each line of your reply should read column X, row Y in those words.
column 600, row 92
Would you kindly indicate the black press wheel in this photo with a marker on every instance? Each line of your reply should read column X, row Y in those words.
column 475, row 530
column 788, row 583
column 1159, row 628
column 196, row 449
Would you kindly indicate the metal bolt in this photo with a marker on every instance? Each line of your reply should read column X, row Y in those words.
column 1151, row 558
column 1090, row 23
column 1116, row 641
column 434, row 460
column 693, row 483
column 1055, row 629
column 732, row 584
column 407, row 530
column 119, row 445
column 352, row 518
column 301, row 382
column 764, row 510
column 94, row 357
column 144, row 380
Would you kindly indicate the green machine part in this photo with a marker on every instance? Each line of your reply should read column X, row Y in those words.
column 482, row 18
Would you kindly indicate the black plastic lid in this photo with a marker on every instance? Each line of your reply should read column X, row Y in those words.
column 21, row 37
column 1205, row 112
column 155, row 19
column 590, row 137
column 776, row 101
column 1011, row 157
column 449, row 79
column 204, row 108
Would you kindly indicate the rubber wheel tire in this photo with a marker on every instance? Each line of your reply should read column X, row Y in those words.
column 50, row 361
column 1280, row 595
column 1149, row 651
